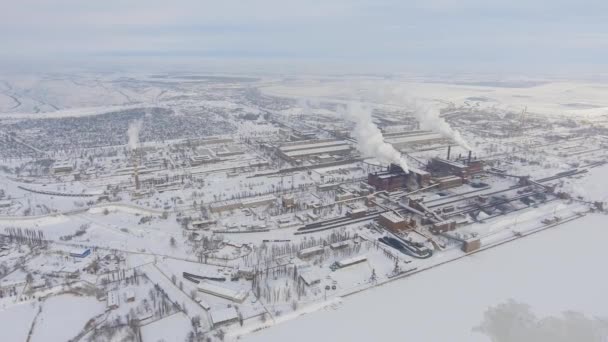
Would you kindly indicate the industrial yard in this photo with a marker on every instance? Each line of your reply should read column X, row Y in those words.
column 208, row 208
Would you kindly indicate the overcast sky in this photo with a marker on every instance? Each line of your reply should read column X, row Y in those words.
column 440, row 33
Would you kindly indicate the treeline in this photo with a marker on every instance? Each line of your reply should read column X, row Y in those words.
column 32, row 237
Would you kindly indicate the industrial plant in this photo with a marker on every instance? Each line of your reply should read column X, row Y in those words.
column 221, row 207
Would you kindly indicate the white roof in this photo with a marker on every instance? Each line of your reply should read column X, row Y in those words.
column 322, row 150
column 112, row 298
column 311, row 145
column 224, row 292
column 352, row 260
column 310, row 277
column 223, row 315
column 339, row 244
column 253, row 200
column 311, row 249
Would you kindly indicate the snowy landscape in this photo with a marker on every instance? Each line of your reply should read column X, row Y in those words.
column 220, row 207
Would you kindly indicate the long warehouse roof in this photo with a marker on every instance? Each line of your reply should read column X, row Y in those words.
column 309, row 146
column 307, row 152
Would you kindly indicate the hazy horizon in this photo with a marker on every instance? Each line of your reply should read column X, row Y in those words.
column 555, row 37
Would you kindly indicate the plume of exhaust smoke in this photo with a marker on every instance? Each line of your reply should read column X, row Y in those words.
column 133, row 133
column 429, row 119
column 370, row 141
column 305, row 105
column 428, row 116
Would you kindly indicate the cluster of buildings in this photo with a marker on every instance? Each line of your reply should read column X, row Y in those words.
column 444, row 173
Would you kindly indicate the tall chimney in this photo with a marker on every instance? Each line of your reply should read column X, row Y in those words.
column 449, row 150
column 469, row 159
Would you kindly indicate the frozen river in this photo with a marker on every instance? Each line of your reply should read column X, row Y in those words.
column 556, row 270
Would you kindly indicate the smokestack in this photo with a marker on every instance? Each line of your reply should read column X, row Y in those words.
column 449, row 150
column 469, row 159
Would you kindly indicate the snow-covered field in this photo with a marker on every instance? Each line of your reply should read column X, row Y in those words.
column 591, row 187
column 553, row 271
column 15, row 321
column 63, row 317
column 549, row 98
column 173, row 328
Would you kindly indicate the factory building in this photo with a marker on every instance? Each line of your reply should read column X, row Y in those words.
column 462, row 168
column 350, row 261
column 63, row 167
column 448, row 167
column 471, row 245
column 422, row 177
column 313, row 149
column 260, row 200
column 237, row 296
column 392, row 221
column 357, row 212
column 449, row 182
column 310, row 277
column 395, row 178
column 387, row 181
column 224, row 316
column 443, row 226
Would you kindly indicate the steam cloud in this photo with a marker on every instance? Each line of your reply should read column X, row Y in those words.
column 370, row 141
column 428, row 116
column 305, row 105
column 133, row 133
column 429, row 119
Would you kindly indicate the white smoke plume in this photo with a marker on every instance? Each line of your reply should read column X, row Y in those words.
column 430, row 120
column 305, row 105
column 370, row 141
column 428, row 116
column 133, row 133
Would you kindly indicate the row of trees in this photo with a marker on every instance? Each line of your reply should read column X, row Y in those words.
column 31, row 237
